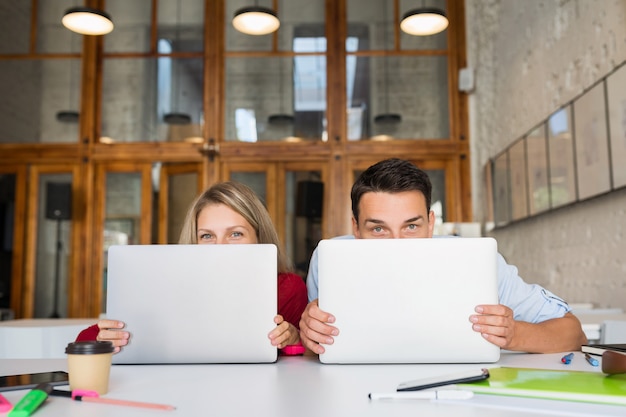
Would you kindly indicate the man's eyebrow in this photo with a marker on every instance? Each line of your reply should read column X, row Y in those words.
column 414, row 219
column 375, row 221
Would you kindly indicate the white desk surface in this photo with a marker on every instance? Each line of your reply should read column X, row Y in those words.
column 298, row 386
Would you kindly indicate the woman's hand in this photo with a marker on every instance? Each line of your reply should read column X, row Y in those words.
column 284, row 334
column 110, row 330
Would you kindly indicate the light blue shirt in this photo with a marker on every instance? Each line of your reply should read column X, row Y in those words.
column 529, row 302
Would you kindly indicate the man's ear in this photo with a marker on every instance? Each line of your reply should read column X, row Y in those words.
column 355, row 228
column 431, row 223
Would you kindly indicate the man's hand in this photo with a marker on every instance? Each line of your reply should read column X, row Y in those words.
column 495, row 323
column 314, row 330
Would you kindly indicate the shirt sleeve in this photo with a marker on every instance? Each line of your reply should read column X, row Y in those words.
column 312, row 284
column 89, row 334
column 530, row 302
column 291, row 297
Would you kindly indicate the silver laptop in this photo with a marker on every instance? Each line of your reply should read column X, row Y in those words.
column 407, row 300
column 194, row 303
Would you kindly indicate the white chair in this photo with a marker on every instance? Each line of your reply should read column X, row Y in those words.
column 613, row 331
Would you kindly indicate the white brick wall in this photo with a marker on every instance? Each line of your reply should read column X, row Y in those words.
column 531, row 57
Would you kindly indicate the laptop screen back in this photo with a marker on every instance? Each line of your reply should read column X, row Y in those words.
column 407, row 300
column 194, row 303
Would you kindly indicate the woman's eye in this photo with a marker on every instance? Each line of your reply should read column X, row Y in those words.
column 205, row 236
column 237, row 234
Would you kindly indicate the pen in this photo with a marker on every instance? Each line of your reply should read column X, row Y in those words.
column 31, row 401
column 592, row 361
column 5, row 405
column 123, row 402
column 445, row 394
column 567, row 358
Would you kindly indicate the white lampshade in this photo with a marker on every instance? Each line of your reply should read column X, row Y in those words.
column 256, row 20
column 424, row 22
column 87, row 21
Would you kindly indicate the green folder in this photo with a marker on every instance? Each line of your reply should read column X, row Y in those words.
column 592, row 387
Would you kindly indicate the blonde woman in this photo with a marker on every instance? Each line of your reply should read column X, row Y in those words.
column 230, row 212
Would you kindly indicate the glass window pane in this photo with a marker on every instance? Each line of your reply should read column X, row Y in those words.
column 15, row 38
column 269, row 99
column 592, row 153
column 181, row 22
column 38, row 95
column 381, row 89
column 370, row 26
column 53, row 245
column 52, row 36
column 132, row 20
column 616, row 101
column 183, row 189
column 561, row 152
column 538, row 188
column 519, row 189
column 303, row 216
column 298, row 16
column 254, row 180
column 7, row 220
column 501, row 190
column 122, row 215
column 137, row 94
column 438, row 196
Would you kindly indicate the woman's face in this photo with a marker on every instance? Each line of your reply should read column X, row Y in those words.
column 220, row 224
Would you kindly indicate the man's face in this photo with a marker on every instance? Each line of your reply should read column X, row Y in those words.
column 393, row 215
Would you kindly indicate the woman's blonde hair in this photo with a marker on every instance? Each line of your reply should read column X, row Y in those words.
column 243, row 200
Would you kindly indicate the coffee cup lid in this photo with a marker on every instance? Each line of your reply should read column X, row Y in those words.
column 90, row 347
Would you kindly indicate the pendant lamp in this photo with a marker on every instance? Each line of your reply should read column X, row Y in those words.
column 256, row 20
column 87, row 21
column 424, row 21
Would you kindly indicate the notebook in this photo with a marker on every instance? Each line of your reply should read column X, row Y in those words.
column 194, row 303
column 594, row 387
column 407, row 300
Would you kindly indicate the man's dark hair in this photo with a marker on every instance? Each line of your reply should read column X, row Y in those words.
column 390, row 176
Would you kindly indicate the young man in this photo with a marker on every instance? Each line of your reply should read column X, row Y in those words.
column 391, row 200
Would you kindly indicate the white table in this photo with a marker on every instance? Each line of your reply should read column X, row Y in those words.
column 299, row 386
column 39, row 338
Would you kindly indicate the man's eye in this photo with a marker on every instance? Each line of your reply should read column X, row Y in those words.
column 378, row 229
column 412, row 226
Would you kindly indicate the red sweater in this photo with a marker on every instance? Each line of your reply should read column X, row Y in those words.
column 292, row 299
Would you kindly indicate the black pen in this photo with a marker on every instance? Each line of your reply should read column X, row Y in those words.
column 31, row 401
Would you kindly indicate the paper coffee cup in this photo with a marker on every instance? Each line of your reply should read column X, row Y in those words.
column 89, row 365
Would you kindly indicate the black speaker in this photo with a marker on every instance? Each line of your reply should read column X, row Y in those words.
column 310, row 199
column 58, row 201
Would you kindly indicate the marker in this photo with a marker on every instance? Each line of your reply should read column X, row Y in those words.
column 592, row 361
column 567, row 358
column 31, row 401
column 5, row 405
column 445, row 394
